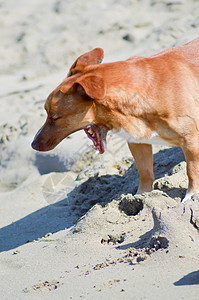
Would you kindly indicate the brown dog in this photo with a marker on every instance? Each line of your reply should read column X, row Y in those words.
column 146, row 100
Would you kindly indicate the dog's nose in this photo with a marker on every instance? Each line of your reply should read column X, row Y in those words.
column 35, row 145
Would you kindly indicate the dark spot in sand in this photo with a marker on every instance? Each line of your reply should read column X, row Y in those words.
column 130, row 205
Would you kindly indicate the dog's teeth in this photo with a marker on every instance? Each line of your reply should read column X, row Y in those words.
column 92, row 133
column 90, row 130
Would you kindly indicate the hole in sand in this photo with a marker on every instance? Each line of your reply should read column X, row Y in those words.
column 158, row 242
column 113, row 239
column 130, row 205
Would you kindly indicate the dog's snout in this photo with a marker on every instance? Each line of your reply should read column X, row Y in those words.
column 35, row 145
column 38, row 140
column 43, row 140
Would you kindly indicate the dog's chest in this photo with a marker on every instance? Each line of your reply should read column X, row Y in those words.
column 153, row 139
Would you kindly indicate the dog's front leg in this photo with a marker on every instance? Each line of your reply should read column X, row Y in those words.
column 143, row 156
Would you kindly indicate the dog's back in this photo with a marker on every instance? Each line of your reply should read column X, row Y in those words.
column 189, row 51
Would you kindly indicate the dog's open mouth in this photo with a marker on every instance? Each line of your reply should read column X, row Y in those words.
column 98, row 135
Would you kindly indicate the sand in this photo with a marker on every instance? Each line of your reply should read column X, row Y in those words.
column 70, row 225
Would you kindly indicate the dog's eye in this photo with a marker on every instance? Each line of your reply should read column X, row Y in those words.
column 55, row 118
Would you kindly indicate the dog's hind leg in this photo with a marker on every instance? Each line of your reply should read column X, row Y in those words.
column 191, row 151
column 143, row 156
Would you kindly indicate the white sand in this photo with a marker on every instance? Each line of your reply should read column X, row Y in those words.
column 70, row 227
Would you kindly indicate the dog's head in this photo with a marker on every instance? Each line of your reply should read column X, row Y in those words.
column 72, row 106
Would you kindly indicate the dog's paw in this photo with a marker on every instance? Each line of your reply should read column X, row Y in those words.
column 187, row 197
column 190, row 196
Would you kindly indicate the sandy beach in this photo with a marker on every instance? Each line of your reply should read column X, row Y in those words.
column 70, row 224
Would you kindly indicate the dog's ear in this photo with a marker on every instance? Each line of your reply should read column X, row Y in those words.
column 94, row 86
column 92, row 57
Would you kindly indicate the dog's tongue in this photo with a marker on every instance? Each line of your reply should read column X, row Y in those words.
column 98, row 135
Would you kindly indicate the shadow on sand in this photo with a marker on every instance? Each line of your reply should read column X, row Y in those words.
column 189, row 279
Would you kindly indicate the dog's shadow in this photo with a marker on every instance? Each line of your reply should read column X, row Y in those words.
column 65, row 213
column 189, row 279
